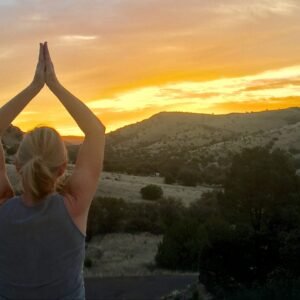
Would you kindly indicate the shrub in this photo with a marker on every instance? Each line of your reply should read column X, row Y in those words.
column 106, row 215
column 188, row 177
column 170, row 211
column 143, row 217
column 181, row 246
column 169, row 179
column 294, row 150
column 151, row 192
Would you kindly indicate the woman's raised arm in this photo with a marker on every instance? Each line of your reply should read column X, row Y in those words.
column 12, row 108
column 83, row 182
column 6, row 190
column 9, row 111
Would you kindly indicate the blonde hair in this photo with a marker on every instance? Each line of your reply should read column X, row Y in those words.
column 39, row 157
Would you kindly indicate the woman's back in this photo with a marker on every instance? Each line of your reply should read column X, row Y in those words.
column 41, row 251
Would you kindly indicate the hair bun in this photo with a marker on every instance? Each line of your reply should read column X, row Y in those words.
column 38, row 170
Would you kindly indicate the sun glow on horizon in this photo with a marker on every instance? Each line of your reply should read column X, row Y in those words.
column 272, row 89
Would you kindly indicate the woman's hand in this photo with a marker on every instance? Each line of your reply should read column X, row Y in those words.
column 39, row 76
column 50, row 76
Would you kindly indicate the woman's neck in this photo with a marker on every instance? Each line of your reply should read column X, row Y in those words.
column 29, row 200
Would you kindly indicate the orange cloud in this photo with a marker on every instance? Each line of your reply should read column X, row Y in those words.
column 265, row 104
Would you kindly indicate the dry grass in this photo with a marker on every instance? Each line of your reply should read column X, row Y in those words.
column 128, row 187
column 122, row 254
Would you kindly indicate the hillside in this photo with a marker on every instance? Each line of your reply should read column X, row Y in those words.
column 190, row 138
column 175, row 127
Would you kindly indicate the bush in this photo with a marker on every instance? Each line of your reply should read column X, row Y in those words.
column 188, row 177
column 169, row 179
column 151, row 192
column 115, row 215
column 143, row 217
column 171, row 210
column 181, row 246
column 106, row 215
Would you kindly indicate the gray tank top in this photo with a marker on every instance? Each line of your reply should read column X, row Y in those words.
column 41, row 251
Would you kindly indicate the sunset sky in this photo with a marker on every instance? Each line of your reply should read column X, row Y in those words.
column 129, row 59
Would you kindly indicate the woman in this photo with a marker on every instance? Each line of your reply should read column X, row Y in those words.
column 42, row 232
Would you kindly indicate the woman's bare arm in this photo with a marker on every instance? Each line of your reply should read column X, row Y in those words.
column 12, row 108
column 9, row 111
column 6, row 190
column 83, row 182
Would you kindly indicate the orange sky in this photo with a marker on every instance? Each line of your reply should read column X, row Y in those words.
column 129, row 59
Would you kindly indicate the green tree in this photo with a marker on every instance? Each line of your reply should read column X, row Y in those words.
column 180, row 248
column 260, row 205
column 258, row 185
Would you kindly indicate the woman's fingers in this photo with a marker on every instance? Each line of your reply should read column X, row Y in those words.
column 41, row 54
column 50, row 76
column 46, row 52
column 39, row 76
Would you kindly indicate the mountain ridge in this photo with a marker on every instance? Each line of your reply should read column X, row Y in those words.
column 198, row 140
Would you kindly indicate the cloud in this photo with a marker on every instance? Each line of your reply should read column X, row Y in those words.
column 79, row 37
column 272, row 84
column 245, row 10
column 181, row 94
column 281, row 88
column 253, row 106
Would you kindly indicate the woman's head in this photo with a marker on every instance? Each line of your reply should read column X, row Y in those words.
column 41, row 159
